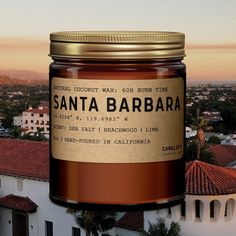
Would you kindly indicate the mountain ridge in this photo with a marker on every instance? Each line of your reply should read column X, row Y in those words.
column 7, row 80
column 24, row 74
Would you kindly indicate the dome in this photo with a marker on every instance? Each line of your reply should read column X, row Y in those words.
column 205, row 179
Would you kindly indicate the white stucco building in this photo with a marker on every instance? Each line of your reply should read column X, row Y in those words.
column 208, row 210
column 1, row 118
column 25, row 208
column 35, row 118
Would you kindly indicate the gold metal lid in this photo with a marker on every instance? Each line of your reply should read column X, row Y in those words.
column 117, row 45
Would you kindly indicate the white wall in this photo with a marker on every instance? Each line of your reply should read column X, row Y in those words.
column 63, row 222
column 229, row 141
column 37, row 121
column 37, row 191
column 125, row 232
column 190, row 226
column 17, row 120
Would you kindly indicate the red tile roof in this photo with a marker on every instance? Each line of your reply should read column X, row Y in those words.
column 44, row 110
column 225, row 154
column 131, row 221
column 24, row 158
column 18, row 203
column 29, row 159
column 206, row 179
column 44, row 103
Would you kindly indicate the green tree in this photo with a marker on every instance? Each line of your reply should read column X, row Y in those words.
column 214, row 140
column 16, row 132
column 7, row 121
column 39, row 136
column 160, row 228
column 207, row 156
column 228, row 114
column 191, row 150
column 95, row 222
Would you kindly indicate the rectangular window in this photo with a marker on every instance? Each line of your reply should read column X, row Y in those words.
column 48, row 228
column 75, row 231
column 32, row 114
column 32, row 121
column 26, row 121
column 32, row 128
column 19, row 184
column 40, row 115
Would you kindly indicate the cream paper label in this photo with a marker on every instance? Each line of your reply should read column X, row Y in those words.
column 117, row 121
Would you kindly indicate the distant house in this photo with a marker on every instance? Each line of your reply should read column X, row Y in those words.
column 190, row 133
column 1, row 118
column 230, row 140
column 221, row 136
column 34, row 119
column 225, row 154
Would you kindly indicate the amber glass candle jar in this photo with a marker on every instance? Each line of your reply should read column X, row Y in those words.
column 117, row 118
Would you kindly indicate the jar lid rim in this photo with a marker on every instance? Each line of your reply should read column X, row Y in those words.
column 148, row 37
column 117, row 44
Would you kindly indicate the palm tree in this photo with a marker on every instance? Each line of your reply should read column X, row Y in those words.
column 207, row 156
column 204, row 154
column 94, row 222
column 200, row 141
column 160, row 229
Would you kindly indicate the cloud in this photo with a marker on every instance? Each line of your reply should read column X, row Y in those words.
column 19, row 43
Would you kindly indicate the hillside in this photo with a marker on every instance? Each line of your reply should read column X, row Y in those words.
column 24, row 74
column 7, row 80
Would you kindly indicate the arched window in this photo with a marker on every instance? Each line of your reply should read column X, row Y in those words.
column 229, row 208
column 183, row 209
column 214, row 209
column 198, row 209
column 169, row 212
